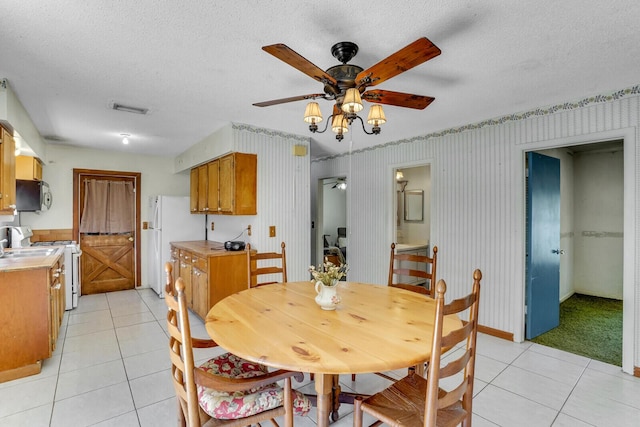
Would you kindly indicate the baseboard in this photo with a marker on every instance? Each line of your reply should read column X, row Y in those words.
column 636, row 371
column 495, row 333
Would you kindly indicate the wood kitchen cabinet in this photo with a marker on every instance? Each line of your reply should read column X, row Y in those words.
column 210, row 273
column 193, row 193
column 33, row 302
column 29, row 168
column 227, row 185
column 203, row 189
column 57, row 300
column 185, row 272
column 7, row 173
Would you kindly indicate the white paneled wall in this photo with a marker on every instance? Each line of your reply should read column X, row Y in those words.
column 477, row 200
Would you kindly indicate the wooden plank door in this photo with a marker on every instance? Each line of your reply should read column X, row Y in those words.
column 109, row 262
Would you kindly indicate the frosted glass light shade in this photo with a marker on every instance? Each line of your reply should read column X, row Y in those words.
column 352, row 102
column 312, row 113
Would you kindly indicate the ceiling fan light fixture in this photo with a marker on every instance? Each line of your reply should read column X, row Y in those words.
column 339, row 124
column 313, row 116
column 376, row 115
column 352, row 101
column 312, row 113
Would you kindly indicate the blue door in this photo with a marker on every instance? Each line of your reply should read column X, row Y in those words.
column 543, row 245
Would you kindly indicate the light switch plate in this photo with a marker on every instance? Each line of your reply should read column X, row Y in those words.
column 272, row 231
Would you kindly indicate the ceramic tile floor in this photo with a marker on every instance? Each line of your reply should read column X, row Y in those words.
column 110, row 368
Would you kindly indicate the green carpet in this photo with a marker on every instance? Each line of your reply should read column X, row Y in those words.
column 589, row 326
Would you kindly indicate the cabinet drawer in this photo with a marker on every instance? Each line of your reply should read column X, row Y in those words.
column 184, row 256
column 199, row 263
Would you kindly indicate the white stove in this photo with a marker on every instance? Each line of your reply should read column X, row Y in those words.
column 72, row 254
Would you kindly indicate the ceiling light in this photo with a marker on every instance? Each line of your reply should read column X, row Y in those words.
column 313, row 115
column 339, row 125
column 352, row 102
column 125, row 138
column 399, row 175
column 342, row 118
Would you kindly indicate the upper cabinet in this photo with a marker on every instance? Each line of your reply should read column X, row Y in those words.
column 7, row 173
column 227, row 185
column 29, row 168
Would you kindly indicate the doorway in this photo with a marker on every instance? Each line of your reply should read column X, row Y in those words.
column 592, row 221
column 413, row 205
column 111, row 254
column 332, row 231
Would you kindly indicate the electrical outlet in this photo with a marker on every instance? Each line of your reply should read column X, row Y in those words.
column 145, row 225
column 248, row 230
column 212, row 227
column 272, row 231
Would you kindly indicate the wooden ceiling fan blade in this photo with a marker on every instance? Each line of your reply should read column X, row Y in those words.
column 398, row 99
column 290, row 99
column 406, row 58
column 297, row 61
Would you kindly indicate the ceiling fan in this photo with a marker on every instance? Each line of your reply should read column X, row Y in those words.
column 347, row 84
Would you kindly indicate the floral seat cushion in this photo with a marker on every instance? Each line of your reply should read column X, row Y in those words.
column 225, row 405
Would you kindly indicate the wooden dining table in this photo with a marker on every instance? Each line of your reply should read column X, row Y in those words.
column 374, row 328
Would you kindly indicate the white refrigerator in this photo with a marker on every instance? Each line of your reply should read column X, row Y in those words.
column 170, row 220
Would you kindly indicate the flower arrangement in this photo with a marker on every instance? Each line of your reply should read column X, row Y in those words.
column 328, row 273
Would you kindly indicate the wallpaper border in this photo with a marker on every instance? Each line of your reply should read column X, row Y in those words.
column 596, row 99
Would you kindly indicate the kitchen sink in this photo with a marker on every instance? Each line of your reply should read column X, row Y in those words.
column 27, row 253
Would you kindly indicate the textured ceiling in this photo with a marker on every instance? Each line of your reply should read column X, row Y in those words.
column 198, row 65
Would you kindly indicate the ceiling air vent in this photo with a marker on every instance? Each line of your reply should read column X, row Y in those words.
column 129, row 109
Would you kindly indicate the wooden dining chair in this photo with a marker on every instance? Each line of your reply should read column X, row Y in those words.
column 226, row 390
column 416, row 401
column 424, row 267
column 168, row 286
column 266, row 263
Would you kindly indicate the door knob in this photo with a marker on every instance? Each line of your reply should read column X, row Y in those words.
column 131, row 238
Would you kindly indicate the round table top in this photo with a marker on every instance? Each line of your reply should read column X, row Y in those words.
column 374, row 328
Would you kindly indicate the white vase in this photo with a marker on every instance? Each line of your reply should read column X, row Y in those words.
column 327, row 297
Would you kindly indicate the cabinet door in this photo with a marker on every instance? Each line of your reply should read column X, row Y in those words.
column 203, row 189
column 185, row 273
column 193, row 193
column 200, row 286
column 56, row 298
column 245, row 168
column 7, row 173
column 214, row 186
column 175, row 263
column 226, row 183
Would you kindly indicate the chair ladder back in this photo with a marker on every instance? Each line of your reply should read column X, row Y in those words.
column 436, row 397
column 256, row 267
column 428, row 272
column 181, row 354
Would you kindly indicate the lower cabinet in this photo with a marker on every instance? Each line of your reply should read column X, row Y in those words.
column 210, row 278
column 33, row 303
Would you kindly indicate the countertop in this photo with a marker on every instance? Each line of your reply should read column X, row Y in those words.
column 30, row 262
column 205, row 248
